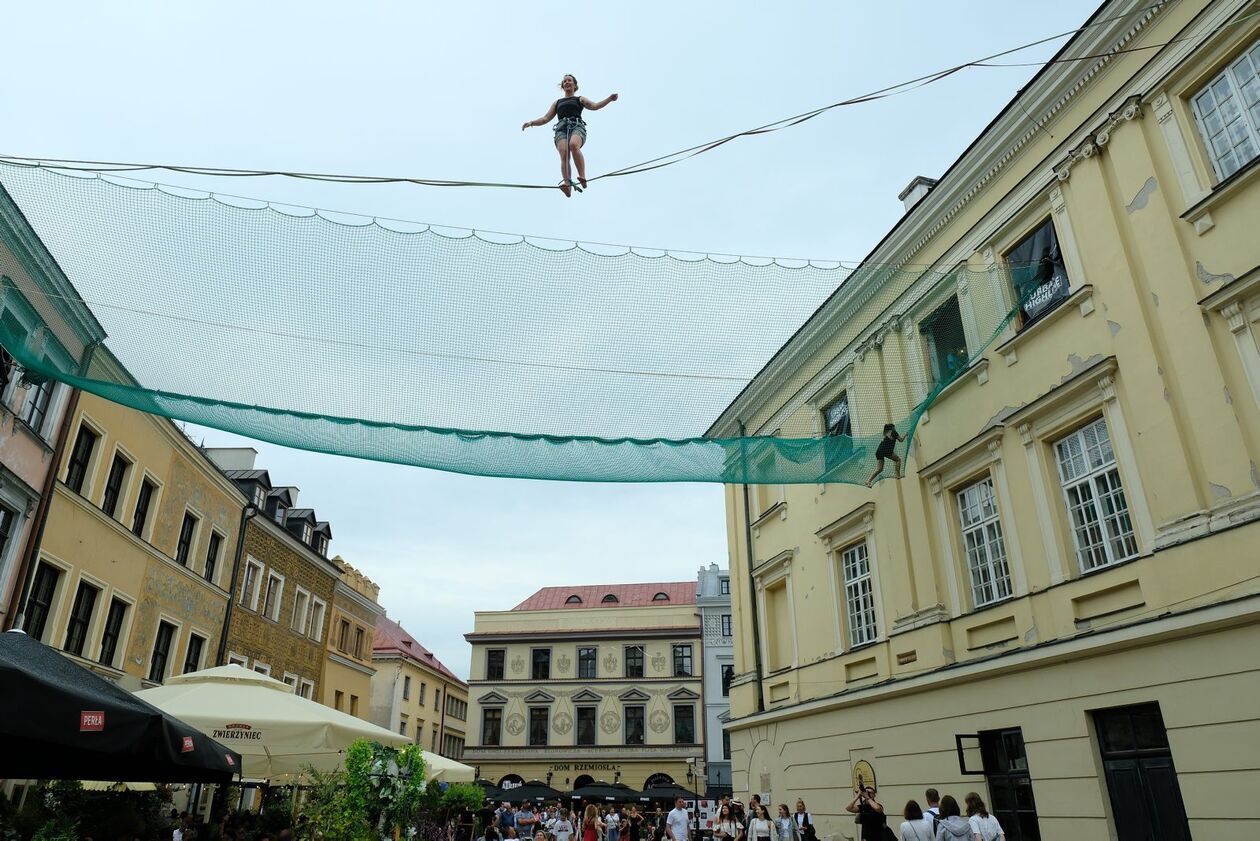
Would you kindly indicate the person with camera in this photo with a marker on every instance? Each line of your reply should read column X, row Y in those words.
column 870, row 815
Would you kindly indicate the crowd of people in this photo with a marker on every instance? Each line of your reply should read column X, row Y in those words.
column 941, row 820
column 591, row 822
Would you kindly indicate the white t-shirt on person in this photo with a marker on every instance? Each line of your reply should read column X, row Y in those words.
column 679, row 820
column 986, row 827
column 920, row 830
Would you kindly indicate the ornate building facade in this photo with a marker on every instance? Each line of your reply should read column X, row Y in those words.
column 577, row 684
column 1059, row 605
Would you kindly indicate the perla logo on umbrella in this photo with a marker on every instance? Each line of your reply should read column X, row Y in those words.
column 237, row 731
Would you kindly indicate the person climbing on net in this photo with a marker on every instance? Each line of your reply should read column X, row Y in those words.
column 887, row 449
column 570, row 131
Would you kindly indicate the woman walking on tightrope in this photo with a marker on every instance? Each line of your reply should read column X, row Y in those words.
column 570, row 130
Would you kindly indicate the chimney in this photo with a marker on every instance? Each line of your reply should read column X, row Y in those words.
column 918, row 187
column 232, row 458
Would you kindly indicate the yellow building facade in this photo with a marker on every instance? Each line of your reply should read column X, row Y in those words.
column 1057, row 606
column 348, row 669
column 135, row 561
column 579, row 684
column 415, row 694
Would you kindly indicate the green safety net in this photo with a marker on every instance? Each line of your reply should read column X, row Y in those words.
column 481, row 354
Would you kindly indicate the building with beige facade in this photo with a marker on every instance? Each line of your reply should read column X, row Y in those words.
column 348, row 669
column 414, row 693
column 134, row 567
column 577, row 684
column 1058, row 606
column 279, row 618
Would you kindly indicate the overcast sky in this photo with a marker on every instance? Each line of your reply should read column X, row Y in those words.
column 439, row 91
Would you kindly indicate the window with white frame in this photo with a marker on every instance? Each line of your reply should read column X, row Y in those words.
column 1227, row 111
column 162, row 643
column 726, row 624
column 301, row 604
column 1038, row 273
column 249, row 584
column 859, row 594
column 1101, row 526
column 8, row 528
column 238, row 660
column 273, row 597
column 291, row 681
column 316, row 631
column 838, row 423
column 35, row 410
column 262, row 668
column 946, row 341
column 982, row 540
column 306, row 688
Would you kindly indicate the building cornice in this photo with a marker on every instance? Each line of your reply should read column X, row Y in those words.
column 347, row 592
column 518, row 753
column 561, row 681
column 30, row 251
column 592, row 634
column 350, row 664
column 992, row 152
column 1195, row 621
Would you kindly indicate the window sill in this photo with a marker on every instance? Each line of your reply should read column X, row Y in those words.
column 33, row 433
column 779, row 508
column 979, row 369
column 1200, row 213
column 1108, row 567
column 1082, row 299
column 861, row 647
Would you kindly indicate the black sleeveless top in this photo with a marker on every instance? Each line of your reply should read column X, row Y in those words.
column 568, row 107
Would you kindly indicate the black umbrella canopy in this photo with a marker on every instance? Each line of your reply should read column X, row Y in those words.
column 627, row 793
column 669, row 791
column 59, row 721
column 492, row 791
column 532, row 790
column 600, row 790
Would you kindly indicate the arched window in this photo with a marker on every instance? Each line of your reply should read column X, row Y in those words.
column 661, row 597
column 609, row 599
column 574, row 599
column 656, row 780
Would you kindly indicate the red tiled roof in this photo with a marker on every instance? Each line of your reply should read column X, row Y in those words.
column 628, row 595
column 392, row 638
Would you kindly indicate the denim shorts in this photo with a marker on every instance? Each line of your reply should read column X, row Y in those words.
column 570, row 126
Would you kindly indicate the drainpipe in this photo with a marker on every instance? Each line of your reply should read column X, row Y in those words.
column 27, row 571
column 247, row 513
column 752, row 581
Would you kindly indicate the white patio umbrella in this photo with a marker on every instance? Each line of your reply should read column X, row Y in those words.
column 276, row 732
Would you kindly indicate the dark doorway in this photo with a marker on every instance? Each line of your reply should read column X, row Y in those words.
column 1141, row 780
column 583, row 780
column 1010, row 783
